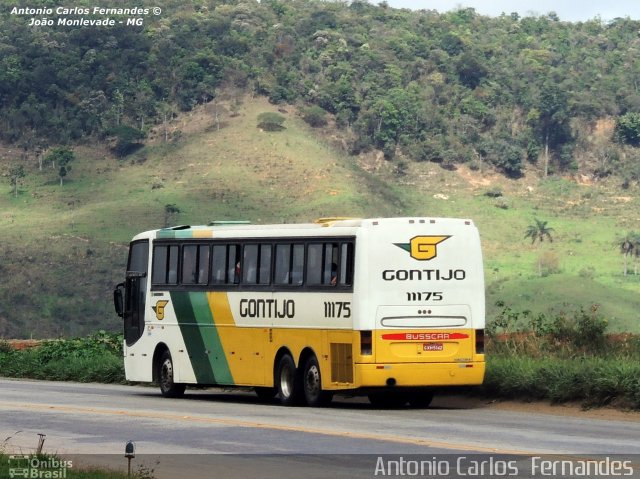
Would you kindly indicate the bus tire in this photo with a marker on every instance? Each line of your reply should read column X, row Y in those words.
column 312, row 384
column 168, row 388
column 288, row 382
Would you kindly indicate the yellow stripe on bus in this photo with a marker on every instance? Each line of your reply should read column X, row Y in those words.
column 244, row 347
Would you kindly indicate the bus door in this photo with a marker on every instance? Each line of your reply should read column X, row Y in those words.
column 135, row 292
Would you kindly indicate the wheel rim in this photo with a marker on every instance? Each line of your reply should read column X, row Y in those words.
column 312, row 381
column 166, row 375
column 286, row 381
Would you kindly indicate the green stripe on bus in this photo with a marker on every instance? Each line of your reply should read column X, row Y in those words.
column 171, row 234
column 201, row 338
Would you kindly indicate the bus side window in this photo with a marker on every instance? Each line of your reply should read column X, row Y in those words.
column 264, row 264
column 256, row 264
column 297, row 266
column 172, row 273
column 250, row 264
column 218, row 264
column 233, row 264
column 225, row 264
column 203, row 264
column 189, row 263
column 314, row 263
column 165, row 265
column 346, row 264
column 323, row 264
column 282, row 264
column 330, row 264
column 289, row 264
column 159, row 272
column 195, row 264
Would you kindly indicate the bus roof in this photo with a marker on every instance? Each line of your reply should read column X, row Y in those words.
column 322, row 226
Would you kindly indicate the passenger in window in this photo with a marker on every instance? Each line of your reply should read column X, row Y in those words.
column 236, row 278
column 334, row 274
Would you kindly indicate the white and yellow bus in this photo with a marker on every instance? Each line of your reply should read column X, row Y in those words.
column 389, row 307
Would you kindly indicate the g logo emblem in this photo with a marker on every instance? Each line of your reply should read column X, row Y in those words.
column 159, row 309
column 423, row 248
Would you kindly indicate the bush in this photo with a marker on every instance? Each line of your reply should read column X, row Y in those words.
column 627, row 129
column 126, row 140
column 96, row 358
column 270, row 121
column 315, row 116
column 495, row 192
column 562, row 335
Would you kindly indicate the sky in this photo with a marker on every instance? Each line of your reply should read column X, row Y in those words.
column 571, row 11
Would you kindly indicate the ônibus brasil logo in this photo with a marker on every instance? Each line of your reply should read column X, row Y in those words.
column 423, row 248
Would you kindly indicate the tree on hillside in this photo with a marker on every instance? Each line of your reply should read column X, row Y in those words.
column 62, row 156
column 550, row 120
column 629, row 247
column 627, row 129
column 170, row 212
column 539, row 231
column 15, row 173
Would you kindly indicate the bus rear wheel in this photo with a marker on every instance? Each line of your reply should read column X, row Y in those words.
column 287, row 382
column 168, row 388
column 312, row 384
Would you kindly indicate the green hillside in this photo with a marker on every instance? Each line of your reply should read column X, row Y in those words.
column 509, row 121
column 64, row 248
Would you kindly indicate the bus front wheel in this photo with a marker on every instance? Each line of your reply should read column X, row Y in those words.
column 288, row 382
column 168, row 388
column 312, row 383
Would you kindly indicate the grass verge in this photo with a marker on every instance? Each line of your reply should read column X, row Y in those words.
column 558, row 358
column 593, row 381
column 96, row 358
column 561, row 357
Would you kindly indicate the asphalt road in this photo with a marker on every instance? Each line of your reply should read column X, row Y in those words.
column 233, row 433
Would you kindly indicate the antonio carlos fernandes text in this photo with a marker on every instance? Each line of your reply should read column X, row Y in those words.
column 490, row 466
column 80, row 11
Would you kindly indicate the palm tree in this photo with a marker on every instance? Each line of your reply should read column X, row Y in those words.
column 539, row 231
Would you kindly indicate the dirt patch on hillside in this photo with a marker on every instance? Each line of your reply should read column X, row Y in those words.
column 20, row 344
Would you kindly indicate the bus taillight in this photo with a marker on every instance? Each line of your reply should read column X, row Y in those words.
column 365, row 343
column 479, row 341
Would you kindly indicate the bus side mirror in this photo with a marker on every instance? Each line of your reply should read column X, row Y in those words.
column 118, row 299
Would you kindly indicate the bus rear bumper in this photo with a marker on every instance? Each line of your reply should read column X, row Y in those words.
column 420, row 374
